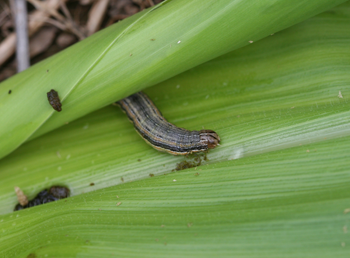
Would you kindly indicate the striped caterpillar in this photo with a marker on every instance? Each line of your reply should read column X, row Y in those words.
column 162, row 135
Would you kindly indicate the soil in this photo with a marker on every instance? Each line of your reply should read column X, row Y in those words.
column 64, row 25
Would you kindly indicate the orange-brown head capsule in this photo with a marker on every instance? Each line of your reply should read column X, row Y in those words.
column 210, row 138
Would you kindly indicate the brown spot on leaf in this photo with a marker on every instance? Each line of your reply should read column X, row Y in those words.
column 21, row 197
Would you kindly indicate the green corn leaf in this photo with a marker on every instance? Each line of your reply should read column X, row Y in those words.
column 286, row 203
column 276, row 187
column 148, row 48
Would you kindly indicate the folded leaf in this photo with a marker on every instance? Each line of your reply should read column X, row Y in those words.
column 134, row 54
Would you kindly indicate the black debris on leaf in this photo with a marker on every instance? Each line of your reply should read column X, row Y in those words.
column 54, row 100
column 55, row 193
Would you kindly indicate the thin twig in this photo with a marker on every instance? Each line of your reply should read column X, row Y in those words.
column 65, row 11
column 96, row 16
column 69, row 25
column 22, row 45
column 8, row 45
column 56, row 23
column 5, row 12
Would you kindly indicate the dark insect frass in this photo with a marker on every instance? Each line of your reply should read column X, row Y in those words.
column 55, row 193
column 54, row 100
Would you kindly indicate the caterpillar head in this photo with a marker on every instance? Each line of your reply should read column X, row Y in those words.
column 210, row 138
